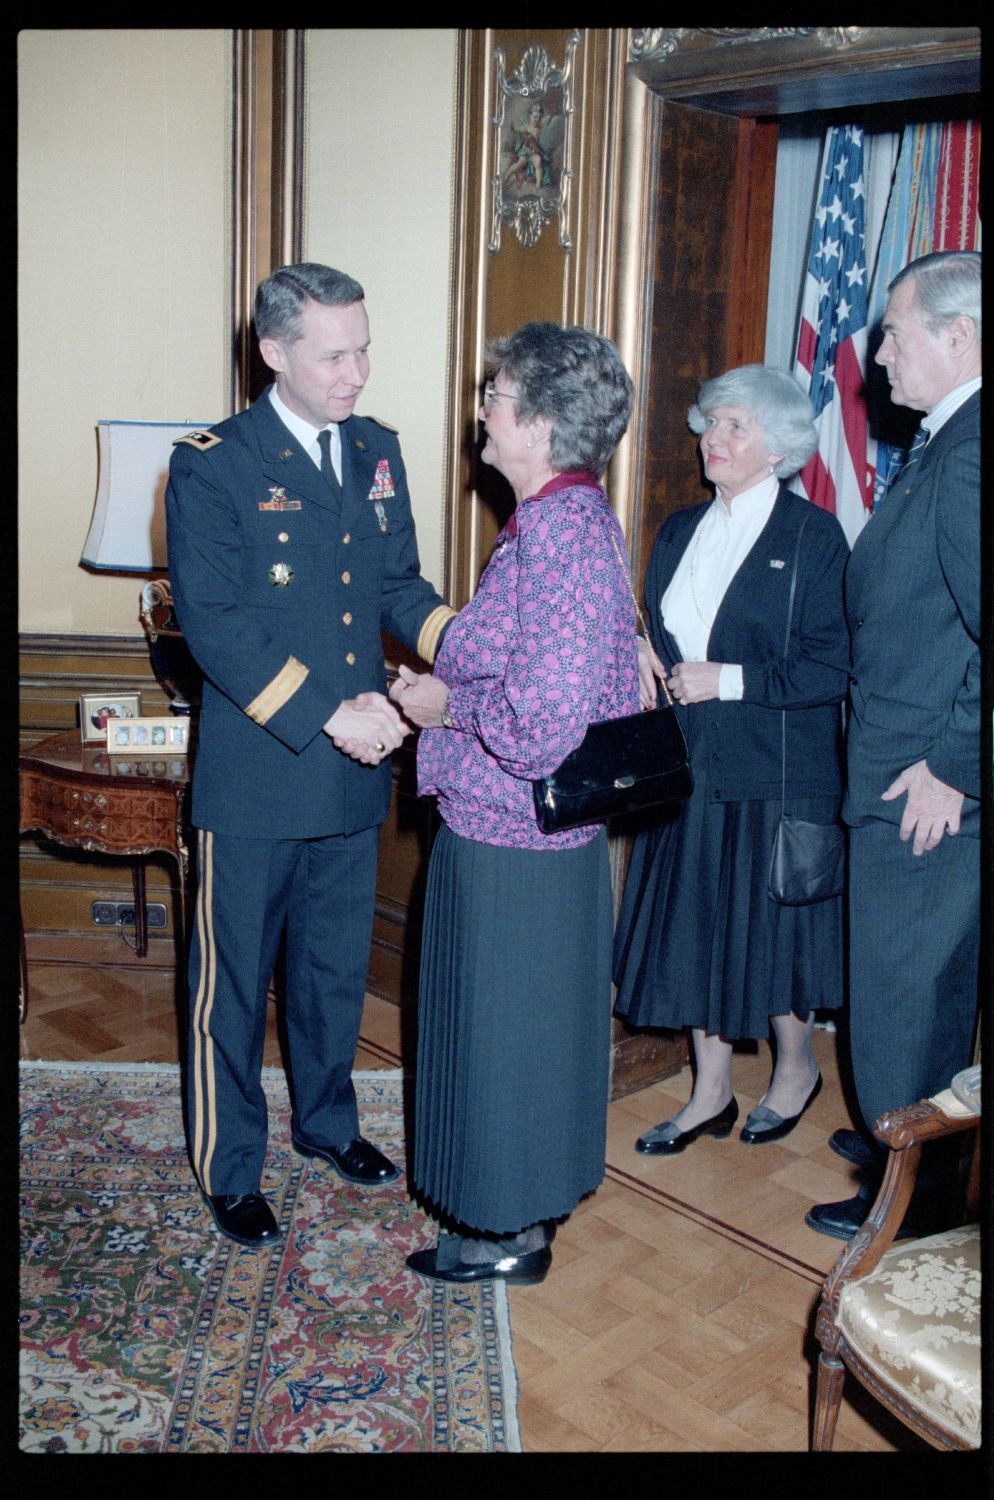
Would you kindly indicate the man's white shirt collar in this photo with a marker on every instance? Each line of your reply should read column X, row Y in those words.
column 306, row 434
column 944, row 409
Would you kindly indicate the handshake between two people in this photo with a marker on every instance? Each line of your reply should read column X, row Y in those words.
column 369, row 727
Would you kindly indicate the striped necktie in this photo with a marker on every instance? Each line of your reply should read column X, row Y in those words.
column 915, row 451
column 912, row 456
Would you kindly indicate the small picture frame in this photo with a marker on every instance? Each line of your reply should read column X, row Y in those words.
column 148, row 736
column 97, row 710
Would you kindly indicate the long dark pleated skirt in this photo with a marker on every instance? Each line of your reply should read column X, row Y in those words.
column 514, row 1026
column 699, row 942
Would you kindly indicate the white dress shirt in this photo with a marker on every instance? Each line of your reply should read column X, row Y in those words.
column 307, row 435
column 943, row 410
column 711, row 559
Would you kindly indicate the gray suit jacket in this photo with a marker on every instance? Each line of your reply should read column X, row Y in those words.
column 912, row 591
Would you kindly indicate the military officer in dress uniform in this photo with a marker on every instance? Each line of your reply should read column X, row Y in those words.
column 291, row 543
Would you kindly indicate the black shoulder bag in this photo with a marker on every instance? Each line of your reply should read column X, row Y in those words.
column 808, row 859
column 621, row 765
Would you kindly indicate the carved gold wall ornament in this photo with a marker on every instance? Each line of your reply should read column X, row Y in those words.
column 533, row 125
column 656, row 43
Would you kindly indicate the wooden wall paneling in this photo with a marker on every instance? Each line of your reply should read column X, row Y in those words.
column 496, row 290
column 752, row 241
column 266, row 184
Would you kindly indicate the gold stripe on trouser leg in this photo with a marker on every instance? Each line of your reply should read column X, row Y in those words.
column 202, row 1082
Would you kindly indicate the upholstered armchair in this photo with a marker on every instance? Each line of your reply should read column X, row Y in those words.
column 904, row 1318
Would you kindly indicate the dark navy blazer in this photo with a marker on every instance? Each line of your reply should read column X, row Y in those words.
column 281, row 586
column 743, row 738
column 913, row 601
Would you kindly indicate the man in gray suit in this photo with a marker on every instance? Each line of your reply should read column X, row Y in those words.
column 913, row 746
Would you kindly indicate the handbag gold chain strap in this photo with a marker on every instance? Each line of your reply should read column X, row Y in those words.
column 657, row 665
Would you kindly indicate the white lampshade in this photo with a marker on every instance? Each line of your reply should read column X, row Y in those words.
column 128, row 530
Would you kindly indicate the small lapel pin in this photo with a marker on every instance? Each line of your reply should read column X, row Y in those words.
column 776, row 562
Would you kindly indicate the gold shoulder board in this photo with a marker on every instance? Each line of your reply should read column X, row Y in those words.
column 201, row 440
column 380, row 423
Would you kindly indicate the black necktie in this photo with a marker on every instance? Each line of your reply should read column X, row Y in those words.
column 327, row 467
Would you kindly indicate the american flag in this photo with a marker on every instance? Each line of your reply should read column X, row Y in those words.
column 831, row 345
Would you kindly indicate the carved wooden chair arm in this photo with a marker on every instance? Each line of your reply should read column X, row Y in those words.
column 904, row 1131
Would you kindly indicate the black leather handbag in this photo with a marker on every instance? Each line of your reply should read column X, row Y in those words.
column 808, row 860
column 620, row 766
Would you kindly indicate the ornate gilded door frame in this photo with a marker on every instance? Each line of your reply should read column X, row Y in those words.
column 267, row 93
column 516, row 260
column 754, row 74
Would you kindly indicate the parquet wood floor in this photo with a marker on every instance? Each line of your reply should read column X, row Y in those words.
column 678, row 1314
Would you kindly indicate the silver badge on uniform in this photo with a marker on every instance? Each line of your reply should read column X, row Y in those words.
column 281, row 574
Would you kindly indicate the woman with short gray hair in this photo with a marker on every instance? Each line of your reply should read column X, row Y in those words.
column 700, row 943
column 514, row 1017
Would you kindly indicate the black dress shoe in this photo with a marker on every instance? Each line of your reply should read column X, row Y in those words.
column 244, row 1217
column 842, row 1220
column 766, row 1125
column 529, row 1268
column 655, row 1143
column 850, row 1145
column 358, row 1162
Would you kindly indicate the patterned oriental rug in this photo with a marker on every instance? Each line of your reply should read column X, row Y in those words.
column 143, row 1330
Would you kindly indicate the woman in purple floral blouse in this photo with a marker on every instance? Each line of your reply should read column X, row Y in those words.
column 515, row 995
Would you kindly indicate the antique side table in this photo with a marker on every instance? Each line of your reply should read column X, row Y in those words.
column 84, row 798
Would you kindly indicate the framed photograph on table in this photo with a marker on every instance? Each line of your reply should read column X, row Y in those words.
column 97, row 710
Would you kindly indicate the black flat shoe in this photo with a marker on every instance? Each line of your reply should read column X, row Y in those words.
column 766, row 1125
column 359, row 1162
column 245, row 1218
column 851, row 1146
column 655, row 1144
column 528, row 1269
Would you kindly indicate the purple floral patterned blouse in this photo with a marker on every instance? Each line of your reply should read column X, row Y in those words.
column 545, row 647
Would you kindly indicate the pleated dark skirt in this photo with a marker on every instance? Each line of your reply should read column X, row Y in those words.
column 699, row 942
column 514, row 1025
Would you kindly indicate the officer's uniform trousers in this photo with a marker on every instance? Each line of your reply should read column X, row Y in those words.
column 281, row 585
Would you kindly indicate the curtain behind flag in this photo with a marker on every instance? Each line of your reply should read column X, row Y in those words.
column 831, row 345
column 933, row 206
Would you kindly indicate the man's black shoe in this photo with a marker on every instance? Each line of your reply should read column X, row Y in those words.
column 850, row 1145
column 246, row 1218
column 842, row 1220
column 359, row 1162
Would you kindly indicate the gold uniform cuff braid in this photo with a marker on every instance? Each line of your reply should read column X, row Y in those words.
column 278, row 692
column 431, row 630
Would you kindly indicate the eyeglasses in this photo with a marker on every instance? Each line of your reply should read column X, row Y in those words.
column 490, row 396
